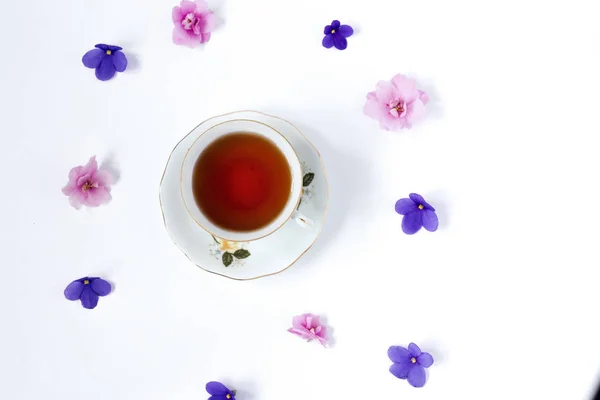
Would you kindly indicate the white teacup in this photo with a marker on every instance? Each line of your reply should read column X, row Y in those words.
column 289, row 211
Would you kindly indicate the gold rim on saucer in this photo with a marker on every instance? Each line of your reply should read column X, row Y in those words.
column 322, row 219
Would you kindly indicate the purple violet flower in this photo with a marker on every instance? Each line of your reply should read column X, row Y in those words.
column 218, row 391
column 106, row 59
column 336, row 34
column 417, row 213
column 410, row 363
column 87, row 290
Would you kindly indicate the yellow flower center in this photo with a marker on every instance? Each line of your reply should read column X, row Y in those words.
column 421, row 206
column 108, row 52
column 312, row 330
column 88, row 185
column 333, row 31
column 413, row 360
column 86, row 282
column 228, row 396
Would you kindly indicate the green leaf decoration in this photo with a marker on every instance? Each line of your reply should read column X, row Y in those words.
column 241, row 253
column 215, row 239
column 227, row 259
column 308, row 178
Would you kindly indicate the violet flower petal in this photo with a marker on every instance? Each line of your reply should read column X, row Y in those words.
column 339, row 41
column 401, row 370
column 335, row 24
column 328, row 41
column 411, row 223
column 108, row 47
column 327, row 30
column 416, row 376
column 430, row 220
column 92, row 58
column 119, row 61
column 100, row 286
column 89, row 298
column 417, row 198
column 405, row 206
column 425, row 360
column 398, row 354
column 414, row 350
column 106, row 69
column 216, row 388
column 74, row 289
column 345, row 30
column 221, row 397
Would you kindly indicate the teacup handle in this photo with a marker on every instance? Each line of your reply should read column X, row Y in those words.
column 302, row 220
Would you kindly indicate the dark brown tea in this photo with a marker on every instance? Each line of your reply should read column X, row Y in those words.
column 241, row 181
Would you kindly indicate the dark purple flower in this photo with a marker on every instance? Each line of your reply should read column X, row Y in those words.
column 106, row 59
column 410, row 363
column 218, row 391
column 336, row 34
column 87, row 290
column 417, row 213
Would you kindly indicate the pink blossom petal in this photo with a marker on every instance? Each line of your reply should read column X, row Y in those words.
column 309, row 319
column 390, row 123
column 301, row 333
column 208, row 22
column 372, row 107
column 322, row 333
column 322, row 340
column 196, row 27
column 406, row 86
column 67, row 190
column 201, row 7
column 187, row 7
column 385, row 92
column 176, row 15
column 416, row 111
column 75, row 201
column 104, row 177
column 299, row 321
column 98, row 196
column 91, row 166
column 74, row 173
column 182, row 37
column 205, row 37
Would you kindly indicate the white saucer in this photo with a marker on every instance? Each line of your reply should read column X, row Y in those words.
column 244, row 261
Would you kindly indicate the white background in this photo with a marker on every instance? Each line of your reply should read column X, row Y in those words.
column 504, row 295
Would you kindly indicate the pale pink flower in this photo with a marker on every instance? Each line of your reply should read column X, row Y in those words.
column 308, row 326
column 88, row 185
column 193, row 23
column 396, row 104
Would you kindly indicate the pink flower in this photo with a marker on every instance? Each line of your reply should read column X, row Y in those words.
column 88, row 185
column 193, row 23
column 396, row 104
column 308, row 326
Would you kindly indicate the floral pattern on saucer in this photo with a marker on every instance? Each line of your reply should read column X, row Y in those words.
column 230, row 253
column 308, row 187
